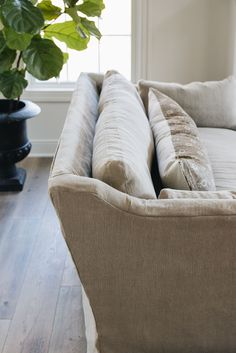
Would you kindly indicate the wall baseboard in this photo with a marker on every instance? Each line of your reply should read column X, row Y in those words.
column 43, row 148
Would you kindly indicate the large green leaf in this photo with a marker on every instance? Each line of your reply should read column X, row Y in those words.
column 18, row 41
column 7, row 56
column 43, row 59
column 22, row 16
column 3, row 43
column 90, row 27
column 67, row 32
column 82, row 31
column 12, row 83
column 91, row 7
column 50, row 11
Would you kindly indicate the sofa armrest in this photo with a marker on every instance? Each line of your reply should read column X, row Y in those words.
column 70, row 183
column 157, row 273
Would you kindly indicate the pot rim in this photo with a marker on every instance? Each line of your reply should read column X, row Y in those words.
column 28, row 111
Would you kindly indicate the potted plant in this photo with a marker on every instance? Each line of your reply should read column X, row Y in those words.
column 28, row 29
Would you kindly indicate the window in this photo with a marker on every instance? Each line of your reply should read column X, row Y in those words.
column 113, row 51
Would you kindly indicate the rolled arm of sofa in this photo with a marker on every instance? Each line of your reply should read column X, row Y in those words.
column 176, row 207
column 157, row 273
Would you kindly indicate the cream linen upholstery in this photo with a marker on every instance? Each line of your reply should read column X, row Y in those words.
column 182, row 160
column 221, row 148
column 79, row 132
column 210, row 104
column 123, row 144
column 185, row 194
column 160, row 275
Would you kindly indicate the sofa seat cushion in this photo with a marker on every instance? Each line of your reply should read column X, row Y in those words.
column 221, row 147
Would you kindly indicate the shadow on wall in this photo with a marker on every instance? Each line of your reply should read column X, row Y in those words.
column 191, row 40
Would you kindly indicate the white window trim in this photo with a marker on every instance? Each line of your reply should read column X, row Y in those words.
column 139, row 44
column 139, row 50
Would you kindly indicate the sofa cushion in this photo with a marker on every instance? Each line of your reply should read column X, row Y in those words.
column 204, row 195
column 210, row 104
column 123, row 143
column 182, row 160
column 221, row 148
column 75, row 146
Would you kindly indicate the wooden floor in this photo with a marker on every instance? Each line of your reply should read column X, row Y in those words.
column 40, row 293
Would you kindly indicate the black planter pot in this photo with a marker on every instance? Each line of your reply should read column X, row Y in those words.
column 14, row 143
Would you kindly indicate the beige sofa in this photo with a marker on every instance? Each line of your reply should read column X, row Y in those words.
column 159, row 276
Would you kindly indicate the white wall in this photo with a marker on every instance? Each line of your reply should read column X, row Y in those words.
column 190, row 40
column 45, row 129
column 187, row 40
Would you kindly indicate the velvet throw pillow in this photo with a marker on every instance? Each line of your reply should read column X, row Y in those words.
column 182, row 160
column 210, row 104
column 123, row 143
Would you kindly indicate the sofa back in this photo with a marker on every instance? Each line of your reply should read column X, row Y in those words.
column 75, row 147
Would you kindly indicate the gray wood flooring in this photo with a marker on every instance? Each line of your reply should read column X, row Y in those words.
column 40, row 292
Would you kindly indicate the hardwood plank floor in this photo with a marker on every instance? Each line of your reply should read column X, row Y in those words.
column 69, row 336
column 4, row 326
column 15, row 250
column 70, row 276
column 40, row 291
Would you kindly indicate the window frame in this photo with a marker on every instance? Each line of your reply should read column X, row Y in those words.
column 62, row 92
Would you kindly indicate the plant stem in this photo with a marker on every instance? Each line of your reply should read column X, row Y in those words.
column 18, row 60
column 49, row 24
column 12, row 103
column 18, row 66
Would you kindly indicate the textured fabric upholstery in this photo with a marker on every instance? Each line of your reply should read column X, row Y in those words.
column 182, row 159
column 159, row 275
column 185, row 194
column 221, row 148
column 123, row 146
column 210, row 104
column 79, row 129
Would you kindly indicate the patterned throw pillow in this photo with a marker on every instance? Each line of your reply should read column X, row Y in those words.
column 182, row 160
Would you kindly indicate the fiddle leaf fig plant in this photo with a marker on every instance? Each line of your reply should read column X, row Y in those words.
column 28, row 30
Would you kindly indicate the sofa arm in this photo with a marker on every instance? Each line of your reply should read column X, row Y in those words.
column 70, row 183
column 157, row 273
